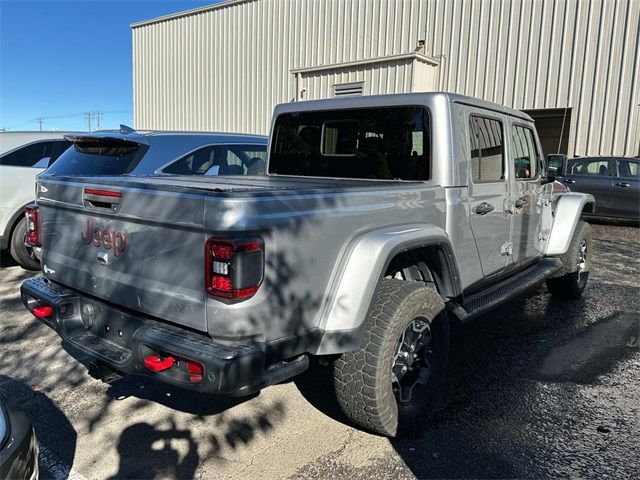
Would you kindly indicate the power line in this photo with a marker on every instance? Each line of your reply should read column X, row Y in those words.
column 98, row 116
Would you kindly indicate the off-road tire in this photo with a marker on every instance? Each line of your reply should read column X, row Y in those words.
column 569, row 284
column 363, row 379
column 19, row 250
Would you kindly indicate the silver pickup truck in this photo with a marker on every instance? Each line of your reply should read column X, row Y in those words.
column 382, row 221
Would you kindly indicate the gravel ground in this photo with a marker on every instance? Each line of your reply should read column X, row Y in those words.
column 537, row 388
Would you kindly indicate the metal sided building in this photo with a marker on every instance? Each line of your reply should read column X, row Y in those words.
column 574, row 65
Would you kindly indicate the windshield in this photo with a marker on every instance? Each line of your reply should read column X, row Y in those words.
column 98, row 157
column 384, row 143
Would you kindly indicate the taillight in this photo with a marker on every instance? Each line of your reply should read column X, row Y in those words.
column 234, row 268
column 32, row 238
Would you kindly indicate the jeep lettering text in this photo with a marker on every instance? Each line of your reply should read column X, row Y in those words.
column 106, row 238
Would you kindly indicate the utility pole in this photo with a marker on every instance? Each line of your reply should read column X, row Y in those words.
column 89, row 116
column 40, row 121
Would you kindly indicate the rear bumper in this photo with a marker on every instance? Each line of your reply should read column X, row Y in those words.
column 122, row 340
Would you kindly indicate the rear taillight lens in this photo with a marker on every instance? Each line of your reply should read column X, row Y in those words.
column 32, row 238
column 234, row 269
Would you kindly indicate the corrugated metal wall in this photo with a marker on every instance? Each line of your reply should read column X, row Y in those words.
column 224, row 68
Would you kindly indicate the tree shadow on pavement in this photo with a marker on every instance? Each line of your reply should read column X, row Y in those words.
column 162, row 450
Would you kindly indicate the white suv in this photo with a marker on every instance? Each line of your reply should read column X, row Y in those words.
column 22, row 156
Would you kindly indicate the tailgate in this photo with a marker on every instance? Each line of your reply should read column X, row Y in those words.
column 138, row 248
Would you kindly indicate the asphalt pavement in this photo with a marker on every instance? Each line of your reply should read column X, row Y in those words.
column 537, row 388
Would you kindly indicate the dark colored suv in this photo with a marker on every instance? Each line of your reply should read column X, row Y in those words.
column 613, row 181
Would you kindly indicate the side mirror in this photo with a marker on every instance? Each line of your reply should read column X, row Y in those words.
column 556, row 164
column 547, row 179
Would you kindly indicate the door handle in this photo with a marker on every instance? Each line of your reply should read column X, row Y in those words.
column 568, row 180
column 622, row 184
column 484, row 208
column 521, row 203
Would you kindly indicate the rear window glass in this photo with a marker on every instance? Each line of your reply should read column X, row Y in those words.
column 109, row 157
column 370, row 143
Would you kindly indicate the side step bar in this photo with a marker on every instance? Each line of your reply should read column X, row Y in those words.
column 506, row 290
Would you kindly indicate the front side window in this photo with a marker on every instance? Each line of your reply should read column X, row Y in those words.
column 487, row 149
column 525, row 161
column 599, row 166
column 384, row 143
column 27, row 156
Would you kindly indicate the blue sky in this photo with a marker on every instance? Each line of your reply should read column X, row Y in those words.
column 59, row 59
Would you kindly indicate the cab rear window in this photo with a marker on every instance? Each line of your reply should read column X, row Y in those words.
column 97, row 157
column 388, row 143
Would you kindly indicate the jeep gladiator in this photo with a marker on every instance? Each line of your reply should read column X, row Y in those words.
column 382, row 221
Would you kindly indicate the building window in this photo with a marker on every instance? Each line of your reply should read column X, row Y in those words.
column 348, row 89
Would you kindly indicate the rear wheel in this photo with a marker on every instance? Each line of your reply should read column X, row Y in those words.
column 576, row 263
column 388, row 383
column 20, row 252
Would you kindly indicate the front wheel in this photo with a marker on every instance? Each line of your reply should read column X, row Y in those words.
column 576, row 263
column 389, row 382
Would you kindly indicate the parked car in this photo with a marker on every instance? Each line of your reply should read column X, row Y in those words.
column 22, row 156
column 613, row 181
column 132, row 153
column 18, row 445
column 381, row 221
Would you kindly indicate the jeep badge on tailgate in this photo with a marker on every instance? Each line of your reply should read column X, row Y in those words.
column 106, row 238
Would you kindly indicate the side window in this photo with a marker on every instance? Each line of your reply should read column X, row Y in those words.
column 629, row 169
column 242, row 160
column 598, row 167
column 28, row 155
column 194, row 163
column 525, row 161
column 487, row 149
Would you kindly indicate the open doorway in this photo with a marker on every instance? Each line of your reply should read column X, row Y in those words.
column 553, row 125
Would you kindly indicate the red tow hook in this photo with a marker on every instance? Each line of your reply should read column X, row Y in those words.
column 156, row 364
column 44, row 311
